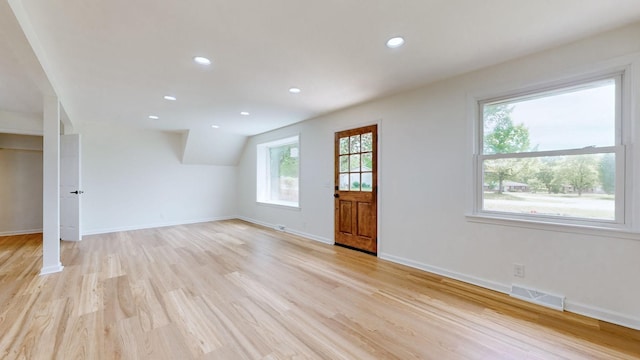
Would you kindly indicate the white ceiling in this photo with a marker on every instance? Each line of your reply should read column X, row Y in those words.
column 112, row 61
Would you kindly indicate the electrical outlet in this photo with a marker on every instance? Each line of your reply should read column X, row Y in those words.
column 518, row 270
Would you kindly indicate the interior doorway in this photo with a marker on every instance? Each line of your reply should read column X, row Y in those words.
column 20, row 184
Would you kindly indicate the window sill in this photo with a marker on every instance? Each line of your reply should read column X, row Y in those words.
column 280, row 205
column 621, row 233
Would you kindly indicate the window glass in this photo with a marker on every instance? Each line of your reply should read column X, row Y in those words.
column 278, row 172
column 553, row 153
column 570, row 119
column 577, row 186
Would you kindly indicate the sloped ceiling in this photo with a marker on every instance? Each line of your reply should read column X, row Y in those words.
column 113, row 61
column 22, row 80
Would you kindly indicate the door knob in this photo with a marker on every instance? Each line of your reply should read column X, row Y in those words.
column 336, row 195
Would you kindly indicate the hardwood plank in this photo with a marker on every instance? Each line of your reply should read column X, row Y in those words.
column 150, row 307
column 91, row 294
column 117, row 300
column 232, row 290
column 193, row 321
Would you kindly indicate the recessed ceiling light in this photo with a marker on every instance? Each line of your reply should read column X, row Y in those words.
column 244, row 113
column 395, row 42
column 169, row 97
column 154, row 117
column 215, row 126
column 202, row 60
column 295, row 90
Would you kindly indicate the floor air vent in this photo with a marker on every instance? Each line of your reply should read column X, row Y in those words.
column 538, row 297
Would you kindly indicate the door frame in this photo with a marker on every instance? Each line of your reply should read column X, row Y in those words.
column 379, row 184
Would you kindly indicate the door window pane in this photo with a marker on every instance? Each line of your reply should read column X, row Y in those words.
column 355, row 181
column 355, row 144
column 367, row 180
column 367, row 162
column 355, row 162
column 344, row 182
column 344, row 163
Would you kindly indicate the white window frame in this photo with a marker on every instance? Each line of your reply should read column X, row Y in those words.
column 620, row 149
column 263, row 177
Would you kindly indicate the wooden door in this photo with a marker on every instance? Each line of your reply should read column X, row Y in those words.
column 70, row 192
column 356, row 190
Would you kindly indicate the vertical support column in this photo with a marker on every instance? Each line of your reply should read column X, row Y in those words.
column 51, row 187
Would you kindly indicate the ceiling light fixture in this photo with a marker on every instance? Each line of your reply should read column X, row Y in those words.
column 395, row 42
column 295, row 90
column 202, row 60
column 244, row 113
column 169, row 97
column 215, row 126
column 154, row 117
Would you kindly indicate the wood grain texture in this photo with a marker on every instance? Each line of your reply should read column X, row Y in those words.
column 232, row 290
column 355, row 213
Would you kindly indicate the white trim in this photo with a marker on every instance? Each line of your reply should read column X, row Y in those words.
column 548, row 153
column 577, row 308
column 288, row 230
column 530, row 223
column 258, row 222
column 20, row 232
column 51, row 269
column 447, row 273
column 310, row 236
column 21, row 132
column 380, row 191
column 280, row 205
column 155, row 225
column 603, row 314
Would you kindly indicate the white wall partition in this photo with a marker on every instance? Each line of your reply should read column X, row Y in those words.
column 134, row 179
column 51, row 187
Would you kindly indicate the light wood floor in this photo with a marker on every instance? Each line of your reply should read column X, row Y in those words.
column 231, row 290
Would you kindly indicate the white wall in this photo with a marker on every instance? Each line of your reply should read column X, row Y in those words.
column 20, row 184
column 133, row 179
column 424, row 168
column 20, row 123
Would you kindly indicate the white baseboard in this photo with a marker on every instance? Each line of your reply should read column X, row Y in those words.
column 20, row 232
column 51, row 269
column 310, row 236
column 446, row 273
column 257, row 222
column 156, row 225
column 577, row 308
column 288, row 230
column 603, row 314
